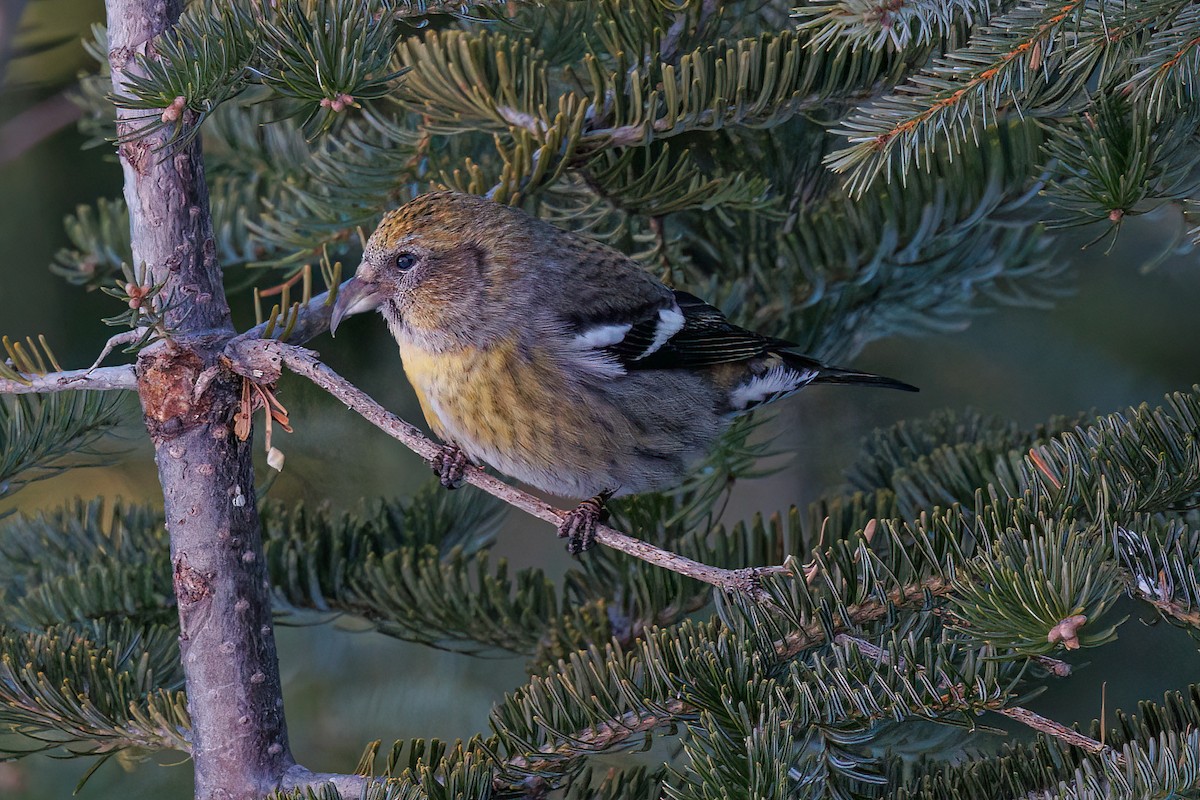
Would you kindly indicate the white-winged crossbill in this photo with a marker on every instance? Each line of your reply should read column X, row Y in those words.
column 556, row 359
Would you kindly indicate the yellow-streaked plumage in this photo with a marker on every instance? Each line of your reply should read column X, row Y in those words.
column 481, row 394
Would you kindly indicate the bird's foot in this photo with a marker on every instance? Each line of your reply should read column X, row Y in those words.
column 578, row 527
column 450, row 465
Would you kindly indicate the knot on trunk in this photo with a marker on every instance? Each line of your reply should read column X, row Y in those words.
column 191, row 585
column 180, row 389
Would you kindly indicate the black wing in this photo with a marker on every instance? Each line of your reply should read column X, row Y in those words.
column 706, row 339
column 678, row 330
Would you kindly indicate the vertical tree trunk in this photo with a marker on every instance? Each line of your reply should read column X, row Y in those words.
column 239, row 738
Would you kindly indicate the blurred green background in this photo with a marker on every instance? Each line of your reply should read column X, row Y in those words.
column 1124, row 338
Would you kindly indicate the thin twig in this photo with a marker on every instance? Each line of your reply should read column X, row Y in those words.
column 1059, row 669
column 1018, row 713
column 642, row 132
column 1179, row 612
column 128, row 337
column 262, row 358
column 867, row 649
column 427, row 8
column 1060, row 732
column 103, row 379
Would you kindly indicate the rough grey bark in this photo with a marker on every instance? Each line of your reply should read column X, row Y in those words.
column 165, row 188
column 239, row 739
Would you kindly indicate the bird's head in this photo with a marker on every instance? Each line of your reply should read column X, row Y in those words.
column 435, row 263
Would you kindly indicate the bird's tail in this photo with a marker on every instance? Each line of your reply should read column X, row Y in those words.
column 827, row 374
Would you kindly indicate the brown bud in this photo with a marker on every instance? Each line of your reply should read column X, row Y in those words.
column 137, row 294
column 339, row 103
column 174, row 111
column 1035, row 56
column 1067, row 632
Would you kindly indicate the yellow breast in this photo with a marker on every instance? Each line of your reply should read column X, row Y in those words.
column 488, row 401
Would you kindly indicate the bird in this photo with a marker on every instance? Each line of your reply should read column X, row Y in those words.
column 556, row 359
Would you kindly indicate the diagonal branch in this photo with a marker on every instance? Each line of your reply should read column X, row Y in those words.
column 261, row 360
column 816, row 632
column 1061, row 732
column 604, row 735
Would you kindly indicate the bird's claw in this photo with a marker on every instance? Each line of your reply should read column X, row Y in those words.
column 450, row 465
column 578, row 527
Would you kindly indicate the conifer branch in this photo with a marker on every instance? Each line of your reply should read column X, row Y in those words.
column 1009, row 63
column 612, row 733
column 604, row 735
column 43, row 676
column 263, row 359
column 1177, row 611
column 307, row 783
column 1160, row 747
column 1023, row 715
column 1169, row 67
column 894, row 24
column 407, row 9
column 40, row 437
column 38, row 434
column 815, row 633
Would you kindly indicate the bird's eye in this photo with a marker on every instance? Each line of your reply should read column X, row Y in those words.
column 405, row 262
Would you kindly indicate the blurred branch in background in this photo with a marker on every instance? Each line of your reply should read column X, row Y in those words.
column 36, row 124
column 10, row 21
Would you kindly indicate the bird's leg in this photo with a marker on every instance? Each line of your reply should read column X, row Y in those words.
column 450, row 465
column 578, row 527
